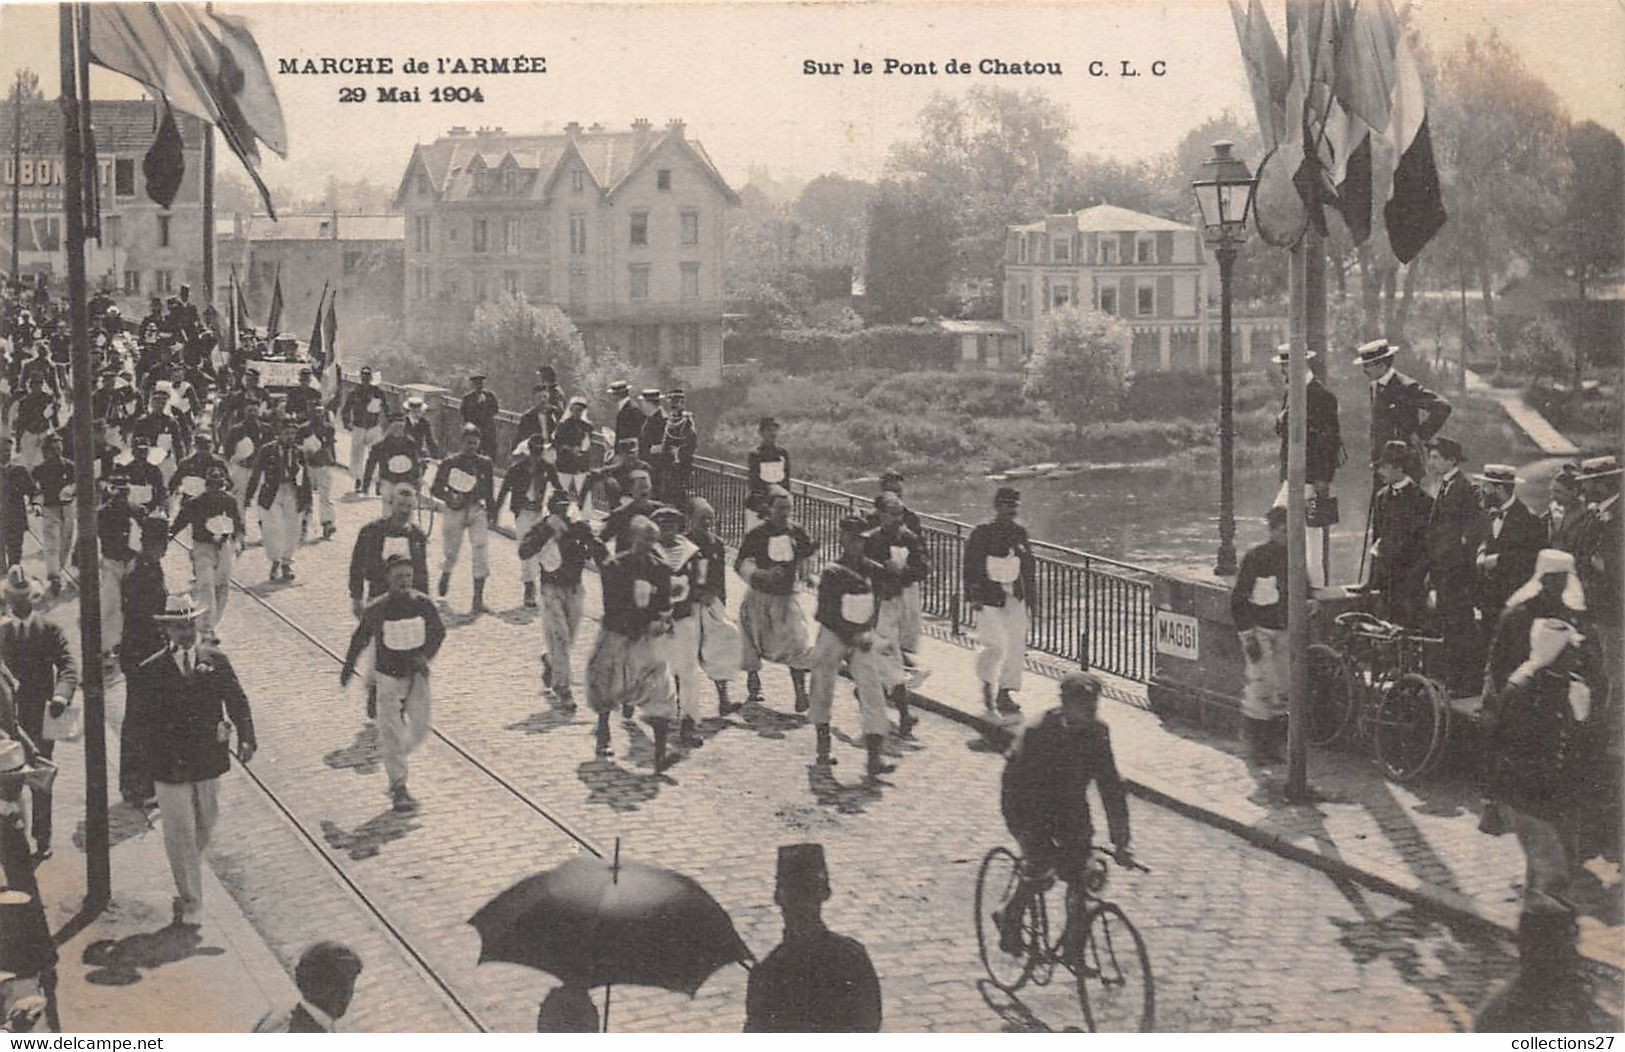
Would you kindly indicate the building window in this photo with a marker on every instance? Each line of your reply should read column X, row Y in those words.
column 1108, row 251
column 112, row 231
column 1108, row 300
column 479, row 235
column 510, row 181
column 482, row 181
column 163, row 231
column 1145, row 300
column 578, row 233
column 663, row 179
column 481, row 290
column 1062, row 249
column 1021, row 249
column 687, row 351
column 1145, row 250
column 510, row 235
column 639, row 289
column 420, row 234
column 578, row 285
column 124, row 177
column 1043, row 300
column 981, row 348
column 640, row 228
column 163, row 281
column 132, row 283
column 645, row 344
column 425, row 282
column 510, row 282
column 1063, row 296
column 691, row 281
column 1022, row 289
column 691, row 228
column 578, row 180
column 423, row 185
column 539, row 285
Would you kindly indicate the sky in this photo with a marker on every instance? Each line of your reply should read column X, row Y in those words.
column 734, row 72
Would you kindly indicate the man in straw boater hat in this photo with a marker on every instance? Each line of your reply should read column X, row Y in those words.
column 627, row 666
column 1454, row 527
column 772, row 559
column 1000, row 586
column 54, row 483
column 193, row 703
column 558, row 549
column 1400, row 406
column 1399, row 523
column 1323, row 452
column 1597, row 556
column 36, row 652
column 27, row 952
column 815, row 981
column 1506, row 552
column 406, row 633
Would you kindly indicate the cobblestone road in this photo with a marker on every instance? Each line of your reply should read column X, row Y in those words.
column 1240, row 939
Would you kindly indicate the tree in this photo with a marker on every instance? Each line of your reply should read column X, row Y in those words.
column 511, row 338
column 834, row 215
column 910, row 253
column 24, row 87
column 1591, row 236
column 1078, row 371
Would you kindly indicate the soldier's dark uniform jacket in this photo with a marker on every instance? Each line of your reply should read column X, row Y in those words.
column 395, row 458
column 359, row 406
column 814, row 982
column 1399, row 523
column 576, row 546
column 376, row 541
column 880, row 546
column 998, row 540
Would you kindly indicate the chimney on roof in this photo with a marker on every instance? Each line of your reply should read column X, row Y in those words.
column 596, row 127
column 675, row 127
column 457, row 131
column 573, row 129
column 640, row 133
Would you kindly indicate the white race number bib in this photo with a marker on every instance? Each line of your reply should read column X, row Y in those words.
column 642, row 592
column 857, row 609
column 192, row 485
column 396, row 546
column 220, row 525
column 374, row 406
column 1004, row 569
column 781, row 549
column 400, row 464
column 771, row 471
column 461, row 481
column 140, row 494
column 550, row 558
column 1266, row 592
column 405, row 634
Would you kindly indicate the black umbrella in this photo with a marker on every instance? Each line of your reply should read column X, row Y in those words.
column 595, row 922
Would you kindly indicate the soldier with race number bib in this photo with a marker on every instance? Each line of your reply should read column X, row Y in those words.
column 463, row 483
column 217, row 539
column 363, row 413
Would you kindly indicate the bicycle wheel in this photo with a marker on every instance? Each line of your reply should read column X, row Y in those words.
column 1331, row 695
column 1411, row 724
column 997, row 879
column 1114, row 973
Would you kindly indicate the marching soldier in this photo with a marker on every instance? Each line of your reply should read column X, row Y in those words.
column 282, row 481
column 406, row 632
column 718, row 634
column 1400, row 407
column 560, row 550
column 31, row 420
column 815, row 980
column 613, row 532
column 479, row 408
column 420, row 430
column 243, row 444
column 118, row 531
column 572, row 439
column 772, row 558
column 394, row 533
column 241, row 406
column 159, row 430
column 144, row 597
column 1000, row 584
column 677, row 446
column 54, row 483
column 148, row 491
column 191, row 475
column 900, row 553
column 15, row 494
column 1399, row 524
column 1565, row 509
column 1454, row 527
column 1324, row 449
column 526, row 486
column 846, row 637
column 627, row 666
column 1258, row 609
column 217, row 538
column 682, row 557
column 396, row 457
column 304, row 396
column 768, row 465
column 319, row 442
column 363, row 414
column 1507, row 550
column 193, row 702
column 463, row 484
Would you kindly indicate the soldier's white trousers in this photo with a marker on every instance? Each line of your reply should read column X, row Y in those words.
column 211, row 581
column 279, row 525
column 454, row 525
column 56, row 537
column 1003, row 631
column 403, row 719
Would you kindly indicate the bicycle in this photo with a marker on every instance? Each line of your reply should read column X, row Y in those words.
column 1096, row 942
column 1375, row 687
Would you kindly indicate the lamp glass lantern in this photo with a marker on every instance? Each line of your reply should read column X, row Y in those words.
column 1224, row 196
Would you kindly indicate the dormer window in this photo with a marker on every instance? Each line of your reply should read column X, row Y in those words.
column 1145, row 250
column 510, row 181
column 663, row 179
column 482, row 181
column 423, row 185
column 578, row 180
column 1062, row 248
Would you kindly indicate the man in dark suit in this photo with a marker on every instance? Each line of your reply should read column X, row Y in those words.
column 1454, row 529
column 479, row 407
column 1399, row 523
column 1324, row 451
column 1565, row 509
column 1400, row 407
column 652, row 436
column 628, row 417
column 193, row 703
column 36, row 651
column 1597, row 556
column 1512, row 538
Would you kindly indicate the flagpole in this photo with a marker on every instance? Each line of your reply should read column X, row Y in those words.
column 208, row 214
column 1310, row 277
column 16, row 172
column 98, row 867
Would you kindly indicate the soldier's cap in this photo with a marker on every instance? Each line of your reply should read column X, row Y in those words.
column 538, row 388
column 1374, row 351
column 1395, row 453
column 802, row 874
column 1599, row 468
column 891, row 475
column 117, row 477
column 766, row 422
column 853, row 524
column 304, row 370
column 366, row 370
column 1007, row 495
column 154, row 529
column 626, row 445
column 578, row 400
column 536, row 442
column 676, row 392
column 651, row 394
column 255, row 373
column 1448, row 448
column 395, row 559
column 1283, row 354
column 324, row 966
column 619, row 387
column 1567, row 473
column 202, row 438
column 547, row 373
column 215, row 473
column 1498, row 475
column 1079, row 686
column 395, row 416
column 666, row 513
column 1276, row 516
column 476, row 377
column 471, row 429
column 140, row 439
column 558, row 497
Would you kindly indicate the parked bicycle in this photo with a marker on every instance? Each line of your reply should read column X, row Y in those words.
column 1374, row 688
column 1095, row 942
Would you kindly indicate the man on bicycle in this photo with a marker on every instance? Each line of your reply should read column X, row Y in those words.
column 1044, row 797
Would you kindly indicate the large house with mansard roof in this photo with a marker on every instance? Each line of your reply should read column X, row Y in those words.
column 623, row 230
column 1152, row 272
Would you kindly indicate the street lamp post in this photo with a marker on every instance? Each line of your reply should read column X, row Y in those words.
column 1224, row 196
